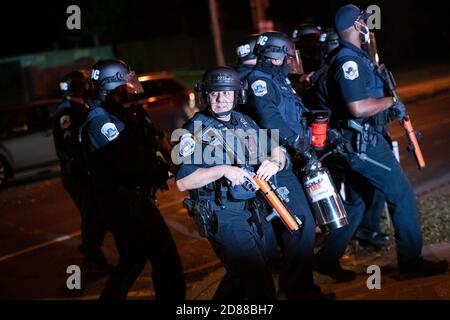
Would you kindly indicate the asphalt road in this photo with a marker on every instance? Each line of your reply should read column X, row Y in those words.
column 430, row 116
column 39, row 225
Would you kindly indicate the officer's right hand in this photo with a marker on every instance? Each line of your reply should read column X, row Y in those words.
column 397, row 111
column 236, row 175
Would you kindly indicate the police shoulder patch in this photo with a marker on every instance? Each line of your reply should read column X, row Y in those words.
column 65, row 122
column 64, row 86
column 110, row 131
column 259, row 88
column 350, row 69
column 187, row 145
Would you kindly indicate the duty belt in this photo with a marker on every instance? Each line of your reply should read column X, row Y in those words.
column 234, row 205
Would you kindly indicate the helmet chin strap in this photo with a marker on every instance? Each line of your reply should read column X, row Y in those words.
column 221, row 114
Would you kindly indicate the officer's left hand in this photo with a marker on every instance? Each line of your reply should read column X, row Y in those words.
column 397, row 111
column 266, row 170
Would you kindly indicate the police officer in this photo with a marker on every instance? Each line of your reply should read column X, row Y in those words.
column 218, row 202
column 70, row 115
column 245, row 55
column 277, row 106
column 124, row 177
column 369, row 232
column 306, row 39
column 329, row 42
column 142, row 130
column 357, row 94
column 246, row 62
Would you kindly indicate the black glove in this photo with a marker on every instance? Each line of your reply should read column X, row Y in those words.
column 397, row 111
column 301, row 143
column 335, row 138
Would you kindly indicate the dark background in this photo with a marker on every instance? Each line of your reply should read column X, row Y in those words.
column 411, row 31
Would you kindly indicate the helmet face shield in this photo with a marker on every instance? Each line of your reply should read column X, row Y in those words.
column 132, row 83
column 295, row 63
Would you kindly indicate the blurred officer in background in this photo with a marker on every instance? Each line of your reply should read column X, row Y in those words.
column 124, row 178
column 70, row 115
column 245, row 55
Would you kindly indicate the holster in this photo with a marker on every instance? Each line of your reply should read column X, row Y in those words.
column 256, row 208
column 140, row 200
column 203, row 215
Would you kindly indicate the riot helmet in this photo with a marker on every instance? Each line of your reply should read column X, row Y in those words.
column 329, row 40
column 306, row 30
column 306, row 38
column 220, row 79
column 107, row 75
column 245, row 50
column 75, row 84
column 277, row 45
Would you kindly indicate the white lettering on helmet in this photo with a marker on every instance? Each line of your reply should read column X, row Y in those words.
column 262, row 40
column 243, row 50
column 95, row 74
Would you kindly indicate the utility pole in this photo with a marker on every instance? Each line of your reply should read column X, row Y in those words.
column 259, row 16
column 216, row 32
column 258, row 12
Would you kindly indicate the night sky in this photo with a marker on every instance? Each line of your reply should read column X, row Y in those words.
column 27, row 27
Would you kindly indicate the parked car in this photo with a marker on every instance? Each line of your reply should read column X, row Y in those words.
column 168, row 102
column 26, row 140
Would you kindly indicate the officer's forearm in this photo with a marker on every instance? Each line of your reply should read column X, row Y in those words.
column 369, row 107
column 201, row 177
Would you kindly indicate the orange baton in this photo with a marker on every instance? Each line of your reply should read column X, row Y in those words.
column 406, row 123
column 288, row 219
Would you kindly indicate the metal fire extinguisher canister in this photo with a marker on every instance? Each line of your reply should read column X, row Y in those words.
column 325, row 200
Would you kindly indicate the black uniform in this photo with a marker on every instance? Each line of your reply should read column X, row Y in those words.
column 233, row 229
column 70, row 115
column 124, row 176
column 352, row 77
column 277, row 106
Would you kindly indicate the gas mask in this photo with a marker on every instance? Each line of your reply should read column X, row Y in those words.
column 364, row 35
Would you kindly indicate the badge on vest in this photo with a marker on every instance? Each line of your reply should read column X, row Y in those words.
column 187, row 145
column 110, row 131
column 259, row 88
column 350, row 70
